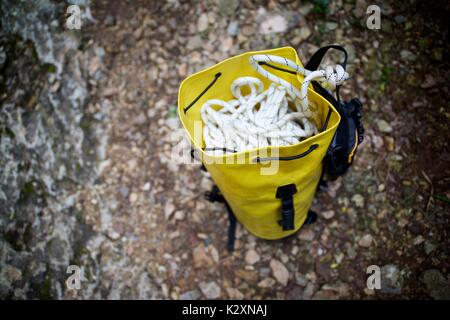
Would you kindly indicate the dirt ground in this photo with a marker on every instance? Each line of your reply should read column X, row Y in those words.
column 390, row 210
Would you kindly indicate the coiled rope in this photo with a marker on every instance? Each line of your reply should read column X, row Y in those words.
column 264, row 118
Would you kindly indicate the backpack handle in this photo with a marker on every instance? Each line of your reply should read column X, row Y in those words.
column 317, row 57
column 314, row 63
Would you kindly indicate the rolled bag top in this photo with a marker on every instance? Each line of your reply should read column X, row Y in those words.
column 251, row 195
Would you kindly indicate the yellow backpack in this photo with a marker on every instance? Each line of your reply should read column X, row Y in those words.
column 271, row 206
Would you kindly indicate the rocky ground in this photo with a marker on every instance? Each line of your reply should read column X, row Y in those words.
column 137, row 221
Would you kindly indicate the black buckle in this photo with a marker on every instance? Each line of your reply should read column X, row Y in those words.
column 285, row 193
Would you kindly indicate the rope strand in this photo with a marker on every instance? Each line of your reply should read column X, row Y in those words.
column 265, row 118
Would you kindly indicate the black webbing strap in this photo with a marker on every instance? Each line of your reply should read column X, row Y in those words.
column 286, row 194
column 215, row 196
column 216, row 76
column 231, row 228
column 316, row 58
column 314, row 63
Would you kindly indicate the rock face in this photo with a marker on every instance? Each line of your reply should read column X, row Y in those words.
column 50, row 146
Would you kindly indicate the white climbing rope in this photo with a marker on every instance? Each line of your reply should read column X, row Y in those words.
column 264, row 118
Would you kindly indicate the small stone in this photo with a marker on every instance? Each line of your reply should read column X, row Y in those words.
column 306, row 234
column 169, row 208
column 330, row 26
column 324, row 270
column 234, row 294
column 190, row 295
column 248, row 276
column 202, row 236
column 252, row 257
column 429, row 247
column 279, row 271
column 133, row 197
column 248, row 30
column 328, row 214
column 383, row 126
column 369, row 292
column 210, row 290
column 294, row 250
column 335, row 291
column 146, row 187
column 201, row 258
column 109, row 20
column 233, row 29
column 172, row 123
column 306, row 8
column 228, row 8
column 339, row 257
column 309, row 291
column 400, row 19
column 54, row 87
column 213, row 253
column 390, row 143
column 365, row 241
column 418, row 240
column 174, row 235
column 194, row 43
column 351, row 252
column 113, row 235
column 358, row 200
column 273, row 24
column 264, row 272
column 301, row 279
column 429, row 82
column 407, row 55
column 436, row 284
column 138, row 33
column 124, row 191
column 377, row 142
column 304, row 33
column 266, row 283
column 179, row 215
column 402, row 222
column 227, row 44
column 12, row 274
column 182, row 69
column 437, row 54
column 202, row 23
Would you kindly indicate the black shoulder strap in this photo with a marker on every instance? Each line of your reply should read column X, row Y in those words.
column 216, row 196
column 317, row 57
column 313, row 64
column 350, row 130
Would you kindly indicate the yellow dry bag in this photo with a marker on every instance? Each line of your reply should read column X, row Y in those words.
column 269, row 190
